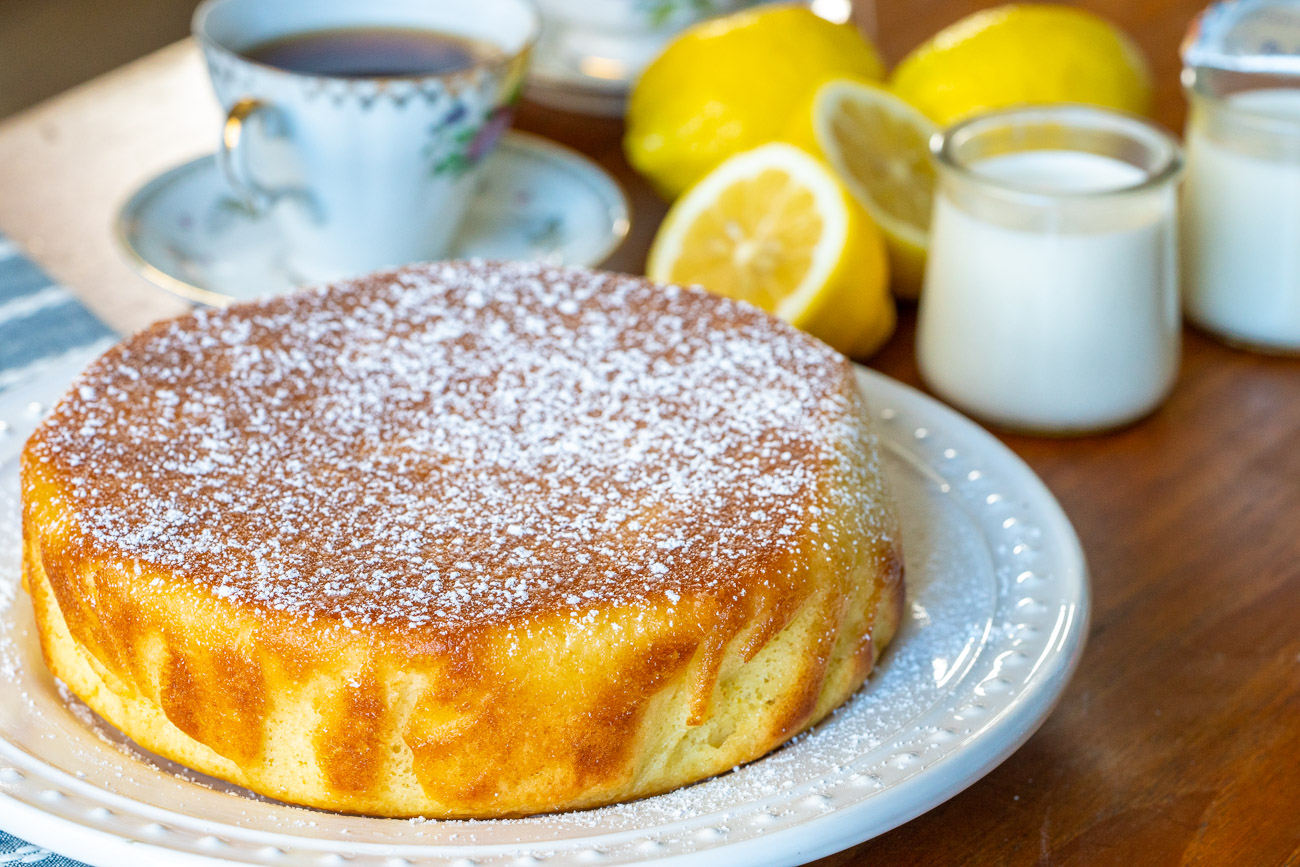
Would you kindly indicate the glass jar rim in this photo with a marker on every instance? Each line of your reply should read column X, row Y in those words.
column 1166, row 167
column 1197, row 88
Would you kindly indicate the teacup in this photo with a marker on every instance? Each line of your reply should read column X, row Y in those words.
column 362, row 168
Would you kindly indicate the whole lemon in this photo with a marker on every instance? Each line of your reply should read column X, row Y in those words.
column 730, row 84
column 1024, row 53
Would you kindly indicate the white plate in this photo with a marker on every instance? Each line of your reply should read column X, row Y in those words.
column 186, row 233
column 997, row 614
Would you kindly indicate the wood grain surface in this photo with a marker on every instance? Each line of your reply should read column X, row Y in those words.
column 1177, row 740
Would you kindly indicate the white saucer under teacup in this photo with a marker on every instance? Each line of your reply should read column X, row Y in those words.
column 187, row 233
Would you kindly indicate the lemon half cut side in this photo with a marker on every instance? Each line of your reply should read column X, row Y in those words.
column 773, row 226
column 879, row 146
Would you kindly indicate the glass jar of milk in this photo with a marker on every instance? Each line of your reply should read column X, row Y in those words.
column 1241, row 209
column 1051, row 294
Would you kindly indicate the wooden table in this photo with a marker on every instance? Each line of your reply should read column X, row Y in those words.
column 1177, row 740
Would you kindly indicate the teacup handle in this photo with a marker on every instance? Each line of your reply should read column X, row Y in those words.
column 234, row 160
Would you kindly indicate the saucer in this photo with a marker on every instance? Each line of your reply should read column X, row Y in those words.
column 588, row 62
column 579, row 94
column 557, row 80
column 185, row 232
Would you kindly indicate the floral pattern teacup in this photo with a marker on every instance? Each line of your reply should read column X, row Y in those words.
column 362, row 173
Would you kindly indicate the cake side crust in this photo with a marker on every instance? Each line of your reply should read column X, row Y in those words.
column 339, row 720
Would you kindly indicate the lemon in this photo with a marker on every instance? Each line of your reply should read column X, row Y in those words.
column 730, row 84
column 773, row 226
column 1024, row 53
column 879, row 146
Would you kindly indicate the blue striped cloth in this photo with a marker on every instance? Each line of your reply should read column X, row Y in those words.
column 14, row 852
column 41, row 325
column 41, row 322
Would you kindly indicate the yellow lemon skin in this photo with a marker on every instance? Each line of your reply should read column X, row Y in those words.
column 773, row 226
column 855, row 313
column 729, row 84
column 879, row 147
column 1029, row 53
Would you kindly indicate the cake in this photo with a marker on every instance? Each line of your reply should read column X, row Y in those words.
column 463, row 540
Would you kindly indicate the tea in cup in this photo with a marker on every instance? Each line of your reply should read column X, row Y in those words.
column 361, row 129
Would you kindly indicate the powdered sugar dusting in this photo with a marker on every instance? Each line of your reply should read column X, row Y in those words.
column 462, row 442
column 967, row 610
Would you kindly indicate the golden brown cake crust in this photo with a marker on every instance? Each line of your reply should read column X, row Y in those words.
column 463, row 540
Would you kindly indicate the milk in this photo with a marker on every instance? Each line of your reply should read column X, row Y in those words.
column 1241, row 213
column 1059, row 314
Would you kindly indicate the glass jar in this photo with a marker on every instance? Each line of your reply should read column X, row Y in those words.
column 1051, row 295
column 1241, row 209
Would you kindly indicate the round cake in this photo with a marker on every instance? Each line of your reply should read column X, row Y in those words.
column 463, row 540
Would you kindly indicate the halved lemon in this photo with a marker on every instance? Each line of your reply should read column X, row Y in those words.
column 879, row 146
column 773, row 226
